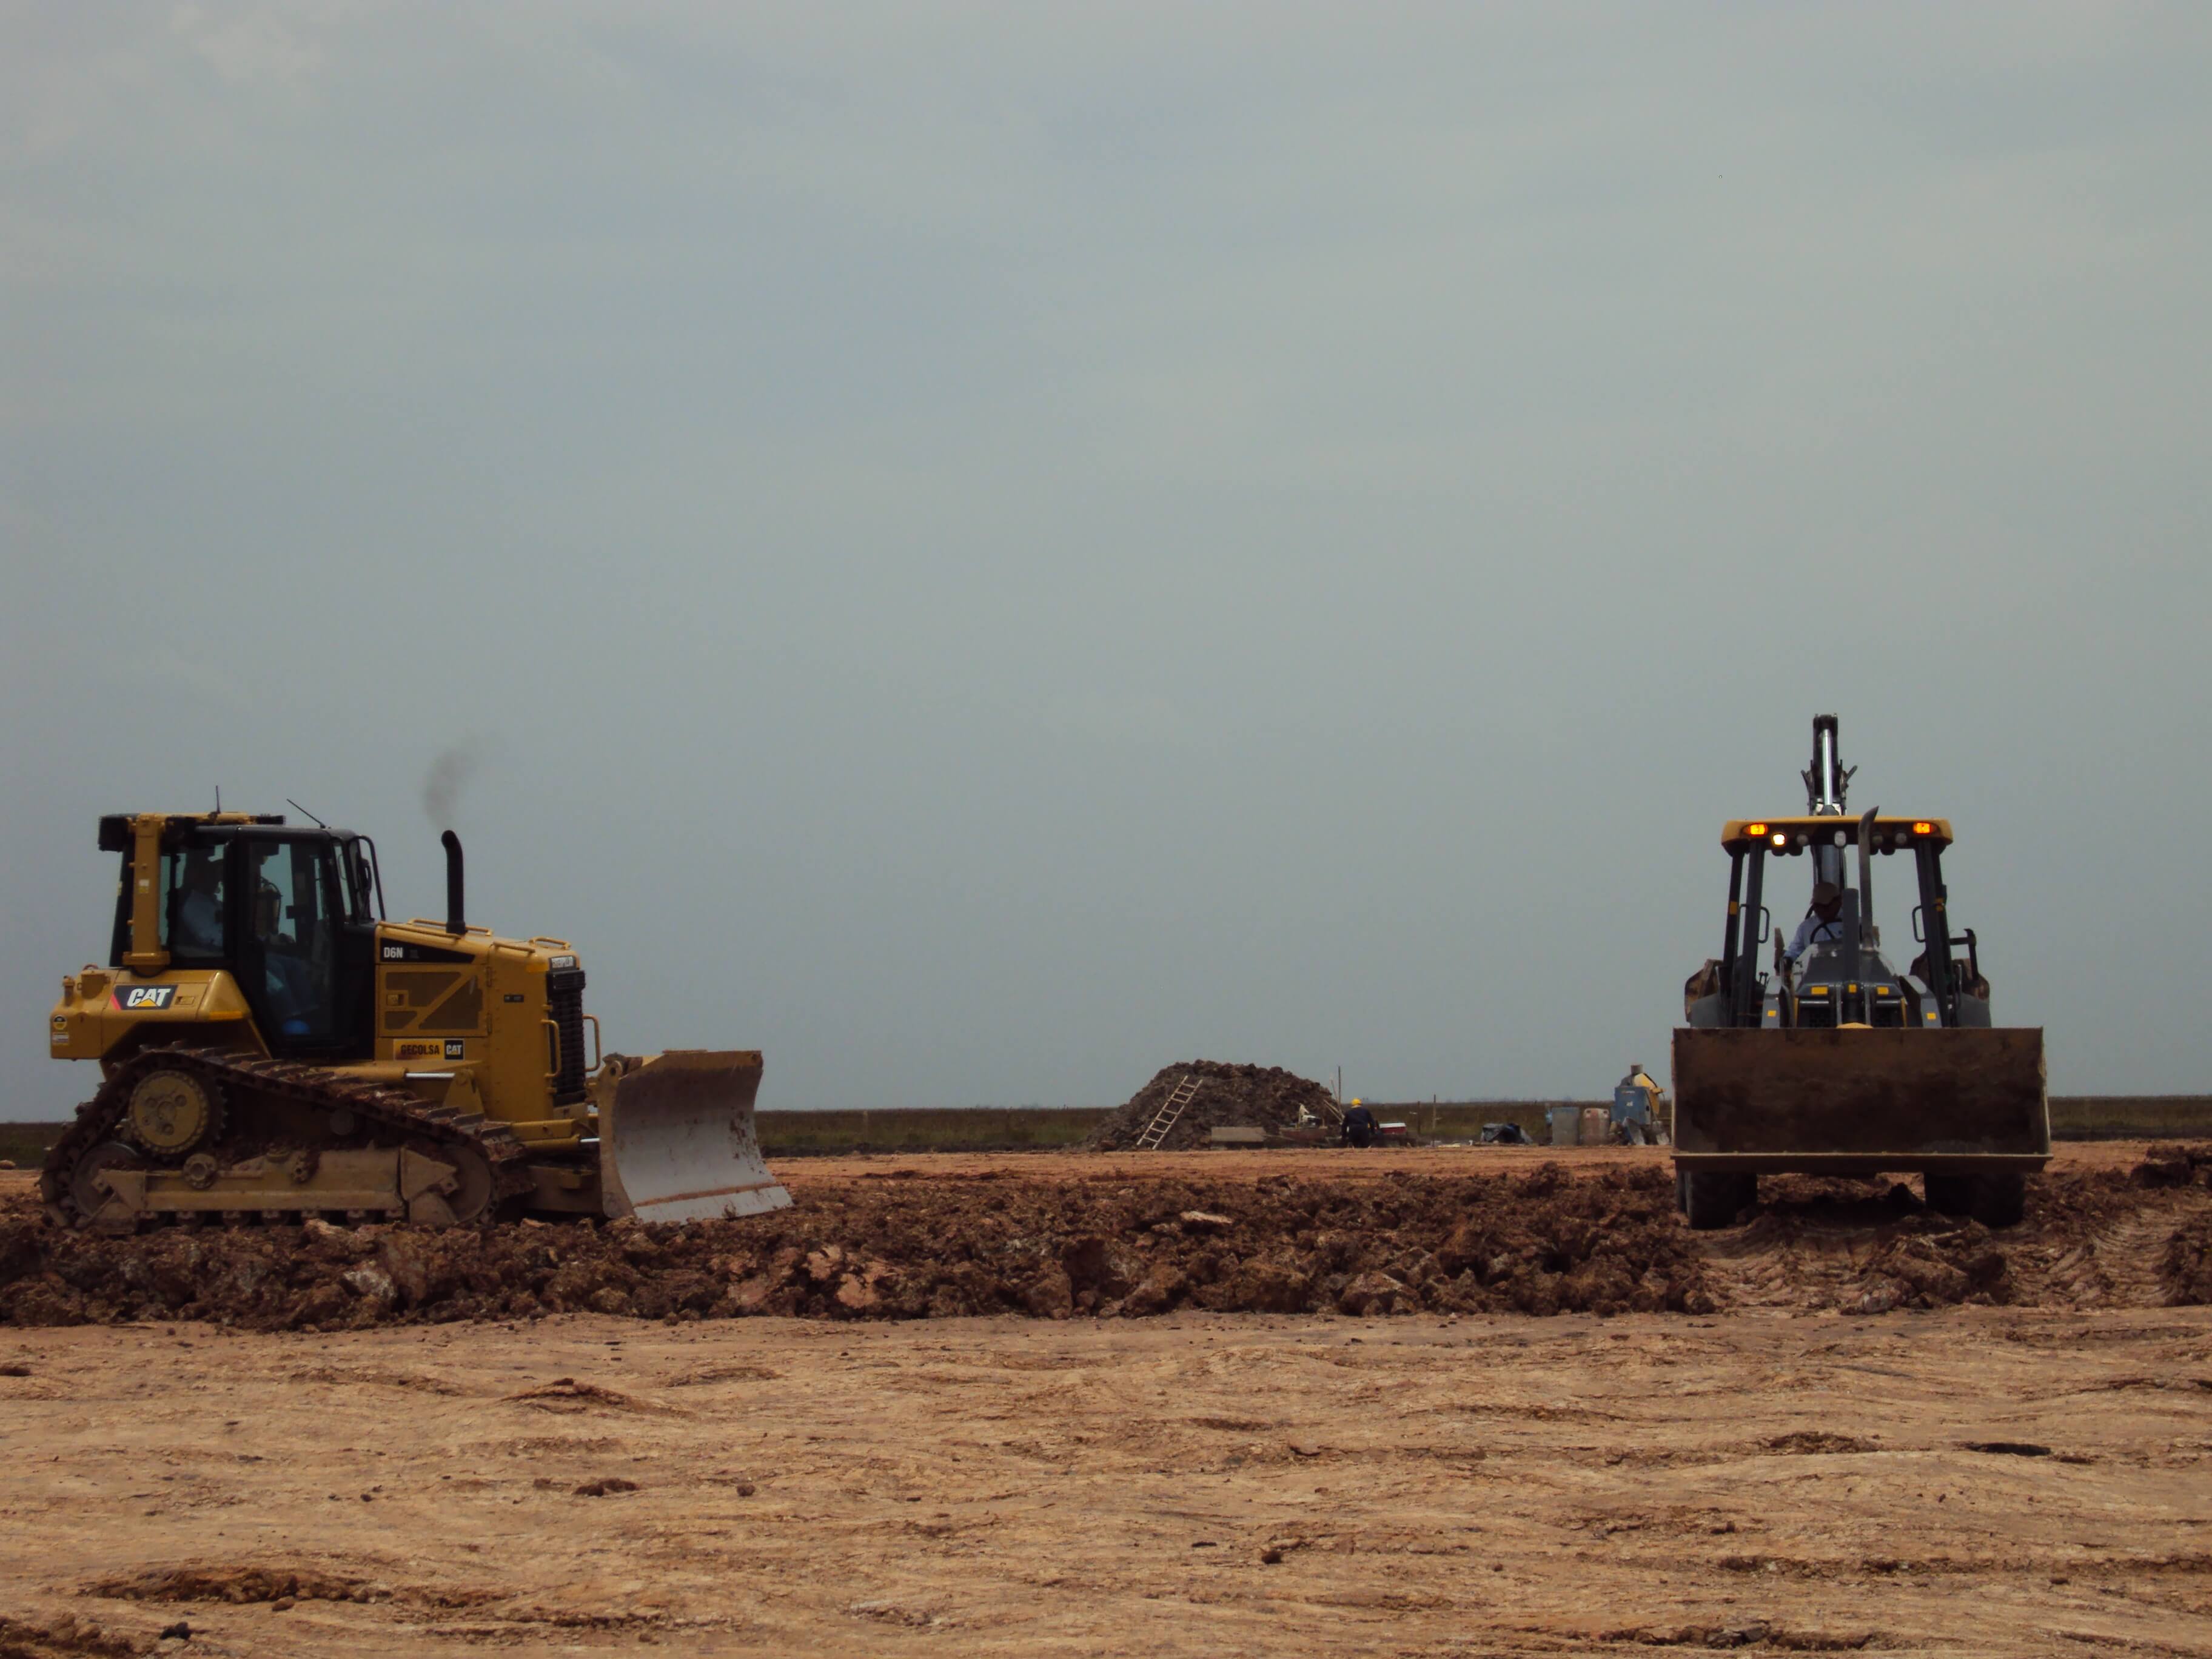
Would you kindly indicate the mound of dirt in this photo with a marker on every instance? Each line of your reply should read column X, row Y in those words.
column 903, row 1249
column 1229, row 1096
column 2188, row 1164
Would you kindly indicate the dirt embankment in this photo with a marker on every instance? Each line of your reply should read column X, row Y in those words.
column 1543, row 1243
column 1229, row 1096
column 1282, row 1233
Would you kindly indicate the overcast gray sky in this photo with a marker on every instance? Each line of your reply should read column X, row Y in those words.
column 982, row 551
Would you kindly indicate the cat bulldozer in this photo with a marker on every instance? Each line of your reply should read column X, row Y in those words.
column 271, row 1048
column 1834, row 1062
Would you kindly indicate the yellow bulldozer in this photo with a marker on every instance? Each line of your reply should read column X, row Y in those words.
column 271, row 1048
column 1836, row 1062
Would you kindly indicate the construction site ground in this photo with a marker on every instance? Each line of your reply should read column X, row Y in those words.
column 2020, row 1468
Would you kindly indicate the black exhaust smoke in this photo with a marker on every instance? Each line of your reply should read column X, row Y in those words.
column 454, row 910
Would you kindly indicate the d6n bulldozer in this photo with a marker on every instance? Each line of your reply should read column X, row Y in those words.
column 1835, row 1062
column 271, row 1048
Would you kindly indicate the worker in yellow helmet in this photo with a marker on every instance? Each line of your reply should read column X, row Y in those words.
column 1360, row 1128
column 1639, row 1117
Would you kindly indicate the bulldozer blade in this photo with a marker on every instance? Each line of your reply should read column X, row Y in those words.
column 676, row 1139
column 1859, row 1101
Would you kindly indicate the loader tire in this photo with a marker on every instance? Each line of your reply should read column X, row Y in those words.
column 1714, row 1198
column 1950, row 1195
column 1995, row 1201
column 2000, row 1200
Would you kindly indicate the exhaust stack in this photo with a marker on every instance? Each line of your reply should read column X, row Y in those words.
column 454, row 910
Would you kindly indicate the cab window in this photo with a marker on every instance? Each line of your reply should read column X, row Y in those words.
column 294, row 909
column 193, row 918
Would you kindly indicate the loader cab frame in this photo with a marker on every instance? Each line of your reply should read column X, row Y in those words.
column 1850, row 982
column 290, row 914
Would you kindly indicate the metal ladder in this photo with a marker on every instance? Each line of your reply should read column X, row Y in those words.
column 1171, row 1109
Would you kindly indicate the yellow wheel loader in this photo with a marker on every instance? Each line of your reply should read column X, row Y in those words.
column 271, row 1048
column 1834, row 1062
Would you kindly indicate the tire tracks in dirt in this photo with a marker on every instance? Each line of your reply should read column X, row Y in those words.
column 1766, row 1265
column 2072, row 1255
column 2118, row 1265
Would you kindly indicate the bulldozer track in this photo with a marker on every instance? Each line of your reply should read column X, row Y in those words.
column 382, row 1116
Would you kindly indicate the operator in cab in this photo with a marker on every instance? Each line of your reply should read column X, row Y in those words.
column 196, row 906
column 1820, row 925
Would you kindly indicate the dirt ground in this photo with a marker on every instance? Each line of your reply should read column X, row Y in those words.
column 1808, row 1467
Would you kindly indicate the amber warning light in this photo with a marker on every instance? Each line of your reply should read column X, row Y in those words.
column 1924, row 828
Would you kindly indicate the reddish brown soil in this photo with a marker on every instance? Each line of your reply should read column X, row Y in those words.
column 1071, row 1237
column 909, row 1247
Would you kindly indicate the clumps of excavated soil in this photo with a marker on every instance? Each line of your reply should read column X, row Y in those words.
column 1961, row 1264
column 2178, row 1165
column 238, row 1585
column 914, row 1248
column 1231, row 1096
column 2186, row 1269
column 66, row 1638
column 1866, row 1248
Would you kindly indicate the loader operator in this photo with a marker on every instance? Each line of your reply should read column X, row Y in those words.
column 288, row 976
column 199, row 907
column 1820, row 925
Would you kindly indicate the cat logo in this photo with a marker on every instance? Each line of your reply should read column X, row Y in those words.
column 455, row 1048
column 136, row 998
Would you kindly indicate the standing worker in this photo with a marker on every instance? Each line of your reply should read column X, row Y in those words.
column 1359, row 1126
column 1636, row 1100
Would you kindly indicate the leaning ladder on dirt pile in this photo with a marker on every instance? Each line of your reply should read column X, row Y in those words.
column 1171, row 1109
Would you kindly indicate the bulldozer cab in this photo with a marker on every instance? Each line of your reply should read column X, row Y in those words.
column 288, row 912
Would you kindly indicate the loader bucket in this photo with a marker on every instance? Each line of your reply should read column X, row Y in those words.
column 677, row 1141
column 1860, row 1102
